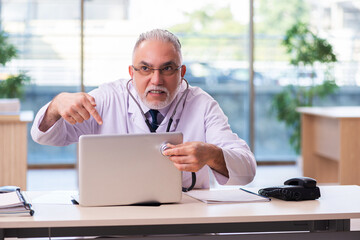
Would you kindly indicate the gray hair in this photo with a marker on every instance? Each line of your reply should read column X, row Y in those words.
column 161, row 35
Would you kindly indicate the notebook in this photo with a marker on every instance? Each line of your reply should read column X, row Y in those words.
column 127, row 169
column 14, row 203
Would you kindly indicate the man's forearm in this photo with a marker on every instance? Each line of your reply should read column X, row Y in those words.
column 218, row 162
column 50, row 118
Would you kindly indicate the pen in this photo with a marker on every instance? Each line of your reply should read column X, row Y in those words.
column 254, row 193
column 27, row 205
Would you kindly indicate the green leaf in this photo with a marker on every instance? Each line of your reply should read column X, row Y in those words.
column 13, row 86
column 304, row 48
column 7, row 50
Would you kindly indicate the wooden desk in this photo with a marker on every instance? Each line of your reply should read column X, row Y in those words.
column 325, row 218
column 13, row 148
column 330, row 139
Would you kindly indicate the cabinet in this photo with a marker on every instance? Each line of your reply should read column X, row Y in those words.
column 13, row 148
column 330, row 139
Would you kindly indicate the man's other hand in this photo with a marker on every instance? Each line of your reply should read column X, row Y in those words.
column 73, row 107
column 192, row 156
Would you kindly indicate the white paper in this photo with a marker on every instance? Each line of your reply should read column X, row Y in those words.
column 10, row 199
column 12, row 204
column 226, row 196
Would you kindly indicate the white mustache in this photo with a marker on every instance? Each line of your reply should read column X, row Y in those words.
column 156, row 88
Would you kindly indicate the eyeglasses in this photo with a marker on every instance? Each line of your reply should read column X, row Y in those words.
column 166, row 71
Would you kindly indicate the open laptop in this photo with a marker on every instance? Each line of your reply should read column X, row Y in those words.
column 127, row 169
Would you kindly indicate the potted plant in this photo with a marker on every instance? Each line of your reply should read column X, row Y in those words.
column 305, row 49
column 11, row 86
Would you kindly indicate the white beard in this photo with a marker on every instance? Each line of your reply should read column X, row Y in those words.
column 158, row 105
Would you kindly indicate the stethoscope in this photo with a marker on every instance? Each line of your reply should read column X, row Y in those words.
column 183, row 96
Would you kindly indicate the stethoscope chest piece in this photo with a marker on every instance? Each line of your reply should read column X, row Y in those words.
column 163, row 147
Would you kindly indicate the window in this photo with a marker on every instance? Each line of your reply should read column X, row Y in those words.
column 335, row 21
column 46, row 34
column 215, row 40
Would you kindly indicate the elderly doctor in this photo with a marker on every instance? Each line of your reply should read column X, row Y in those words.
column 157, row 83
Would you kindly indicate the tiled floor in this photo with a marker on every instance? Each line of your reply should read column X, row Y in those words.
column 66, row 179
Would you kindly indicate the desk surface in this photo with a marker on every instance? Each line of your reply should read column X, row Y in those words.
column 336, row 202
column 332, row 112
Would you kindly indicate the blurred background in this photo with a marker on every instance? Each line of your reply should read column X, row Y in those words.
column 215, row 37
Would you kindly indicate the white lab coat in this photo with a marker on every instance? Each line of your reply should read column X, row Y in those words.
column 200, row 118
